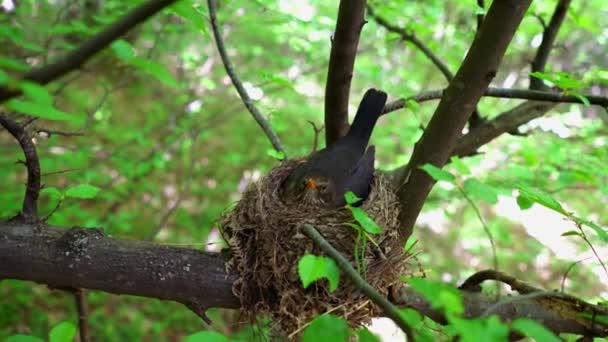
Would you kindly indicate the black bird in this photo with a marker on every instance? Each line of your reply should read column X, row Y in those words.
column 344, row 166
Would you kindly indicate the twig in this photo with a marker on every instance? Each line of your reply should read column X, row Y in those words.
column 549, row 34
column 93, row 45
column 480, row 5
column 259, row 118
column 83, row 313
column 537, row 95
column 485, row 228
column 50, row 132
column 29, row 211
column 593, row 250
column 389, row 309
column 473, row 282
column 411, row 37
column 340, row 71
column 317, row 130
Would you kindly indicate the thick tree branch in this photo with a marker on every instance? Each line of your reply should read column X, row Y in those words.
column 558, row 316
column 86, row 258
column 458, row 102
column 29, row 209
column 508, row 121
column 340, row 71
column 549, row 34
column 389, row 309
column 247, row 101
column 93, row 45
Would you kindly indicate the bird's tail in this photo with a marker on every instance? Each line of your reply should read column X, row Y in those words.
column 369, row 111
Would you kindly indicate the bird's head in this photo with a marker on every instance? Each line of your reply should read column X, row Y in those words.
column 316, row 189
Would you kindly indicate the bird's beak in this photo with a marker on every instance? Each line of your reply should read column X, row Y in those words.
column 311, row 184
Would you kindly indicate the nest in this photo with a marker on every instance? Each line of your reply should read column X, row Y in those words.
column 266, row 244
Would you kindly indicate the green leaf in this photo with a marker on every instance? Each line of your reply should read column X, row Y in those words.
column 123, row 49
column 22, row 338
column 534, row 330
column 206, row 336
column 460, row 166
column 524, row 202
column 82, row 191
column 440, row 295
column 41, row 110
column 581, row 97
column 412, row 105
column 437, row 173
column 571, row 233
column 351, row 198
column 156, row 70
column 193, row 15
column 480, row 329
column 366, row 222
column 541, row 198
column 312, row 268
column 326, row 328
column 52, row 192
column 480, row 191
column 364, row 335
column 37, row 93
column 63, row 332
column 601, row 232
column 4, row 78
column 275, row 154
column 13, row 64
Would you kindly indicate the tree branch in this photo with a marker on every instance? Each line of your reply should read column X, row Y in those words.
column 86, row 258
column 524, row 94
column 29, row 209
column 508, row 121
column 456, row 105
column 340, row 71
column 389, row 309
column 549, row 34
column 247, row 101
column 411, row 37
column 557, row 316
column 93, row 45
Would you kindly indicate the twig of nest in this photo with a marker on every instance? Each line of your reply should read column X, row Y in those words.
column 266, row 245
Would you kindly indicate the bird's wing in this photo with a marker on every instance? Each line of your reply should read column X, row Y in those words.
column 361, row 174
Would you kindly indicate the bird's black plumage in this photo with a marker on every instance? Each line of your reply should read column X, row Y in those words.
column 346, row 165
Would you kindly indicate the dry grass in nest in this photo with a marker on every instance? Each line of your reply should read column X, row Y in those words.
column 266, row 244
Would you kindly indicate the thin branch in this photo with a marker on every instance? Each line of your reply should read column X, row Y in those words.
column 505, row 93
column 411, row 37
column 549, row 34
column 90, row 47
column 340, row 71
column 480, row 6
column 29, row 210
column 83, row 314
column 247, row 101
column 473, row 282
column 456, row 105
column 50, row 132
column 389, row 309
column 317, row 131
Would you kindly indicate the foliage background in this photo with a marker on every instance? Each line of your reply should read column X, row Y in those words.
column 171, row 145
